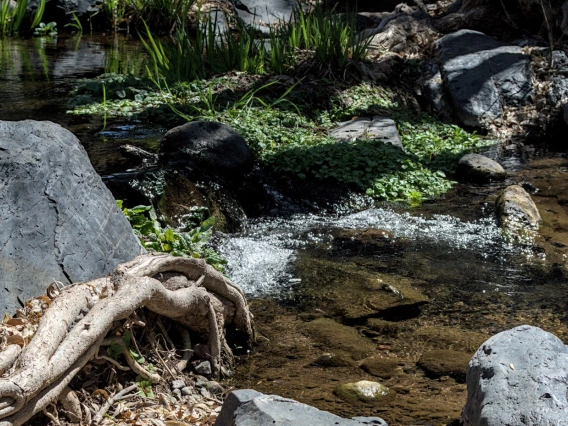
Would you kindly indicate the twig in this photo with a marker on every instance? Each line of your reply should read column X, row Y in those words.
column 109, row 403
column 186, row 348
column 112, row 361
column 166, row 335
column 54, row 419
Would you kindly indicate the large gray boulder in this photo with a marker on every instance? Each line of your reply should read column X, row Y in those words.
column 518, row 377
column 57, row 218
column 215, row 148
column 247, row 407
column 481, row 75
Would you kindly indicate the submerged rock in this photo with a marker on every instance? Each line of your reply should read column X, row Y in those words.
column 479, row 168
column 450, row 338
column 212, row 147
column 444, row 362
column 58, row 220
column 518, row 377
column 340, row 338
column 482, row 75
column 384, row 368
column 516, row 210
column 247, row 407
column 362, row 391
column 376, row 128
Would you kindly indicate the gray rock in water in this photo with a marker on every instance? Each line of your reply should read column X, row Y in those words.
column 60, row 8
column 247, row 407
column 482, row 75
column 376, row 128
column 479, row 168
column 212, row 147
column 516, row 210
column 518, row 377
column 58, row 220
column 261, row 14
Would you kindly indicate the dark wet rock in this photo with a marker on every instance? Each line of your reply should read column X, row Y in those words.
column 183, row 201
column 365, row 242
column 261, row 14
column 449, row 338
column 339, row 338
column 518, row 377
column 59, row 221
column 444, row 362
column 333, row 360
column 363, row 391
column 246, row 407
column 376, row 128
column 516, row 210
column 384, row 368
column 214, row 148
column 482, row 75
column 61, row 10
column 479, row 168
column 387, row 328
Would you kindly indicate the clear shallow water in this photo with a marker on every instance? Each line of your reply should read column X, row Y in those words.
column 261, row 259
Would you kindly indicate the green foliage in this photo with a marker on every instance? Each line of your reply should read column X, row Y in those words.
column 328, row 42
column 154, row 237
column 11, row 18
column 144, row 387
column 76, row 24
column 49, row 29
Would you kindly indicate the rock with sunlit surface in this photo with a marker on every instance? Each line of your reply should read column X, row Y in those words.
column 58, row 221
column 516, row 210
column 369, row 128
column 363, row 391
column 518, row 377
column 479, row 168
column 247, row 407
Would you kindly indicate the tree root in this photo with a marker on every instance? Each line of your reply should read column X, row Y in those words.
column 79, row 318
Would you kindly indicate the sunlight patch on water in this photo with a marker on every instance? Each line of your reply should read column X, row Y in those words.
column 259, row 259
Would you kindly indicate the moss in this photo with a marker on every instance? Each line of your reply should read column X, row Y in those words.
column 443, row 362
column 339, row 338
column 384, row 368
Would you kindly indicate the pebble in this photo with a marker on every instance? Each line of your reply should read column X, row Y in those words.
column 178, row 384
column 214, row 387
column 188, row 390
column 203, row 368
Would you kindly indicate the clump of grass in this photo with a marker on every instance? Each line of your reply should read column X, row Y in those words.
column 11, row 18
column 321, row 42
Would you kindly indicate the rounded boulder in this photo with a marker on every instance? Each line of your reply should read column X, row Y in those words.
column 211, row 147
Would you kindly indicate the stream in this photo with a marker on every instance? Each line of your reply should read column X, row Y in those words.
column 324, row 292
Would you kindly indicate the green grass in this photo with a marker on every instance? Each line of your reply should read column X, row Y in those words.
column 321, row 43
column 11, row 18
column 292, row 138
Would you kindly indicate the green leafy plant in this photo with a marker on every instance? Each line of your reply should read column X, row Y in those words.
column 49, row 29
column 154, row 237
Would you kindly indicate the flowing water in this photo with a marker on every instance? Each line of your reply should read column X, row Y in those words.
column 314, row 278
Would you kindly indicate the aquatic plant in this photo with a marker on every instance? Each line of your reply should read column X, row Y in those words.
column 43, row 29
